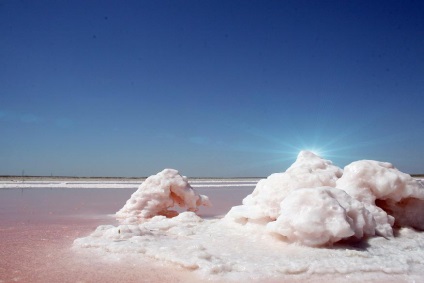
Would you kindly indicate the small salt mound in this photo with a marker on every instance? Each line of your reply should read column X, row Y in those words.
column 319, row 216
column 384, row 189
column 308, row 171
column 158, row 193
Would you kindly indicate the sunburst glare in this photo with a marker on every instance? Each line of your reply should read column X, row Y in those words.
column 342, row 148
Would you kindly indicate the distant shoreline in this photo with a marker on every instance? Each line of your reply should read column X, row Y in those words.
column 68, row 178
column 133, row 180
column 31, row 182
column 9, row 178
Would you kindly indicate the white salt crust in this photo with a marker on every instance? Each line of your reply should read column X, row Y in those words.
column 276, row 231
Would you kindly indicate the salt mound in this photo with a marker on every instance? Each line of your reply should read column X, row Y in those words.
column 263, row 205
column 158, row 193
column 311, row 204
column 393, row 197
column 319, row 216
column 305, row 204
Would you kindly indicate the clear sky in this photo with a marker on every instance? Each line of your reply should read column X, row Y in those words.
column 211, row 88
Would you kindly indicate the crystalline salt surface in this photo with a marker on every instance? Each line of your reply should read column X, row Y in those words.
column 313, row 203
column 289, row 203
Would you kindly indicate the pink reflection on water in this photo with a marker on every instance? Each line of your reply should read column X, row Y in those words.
column 38, row 226
column 222, row 200
column 58, row 206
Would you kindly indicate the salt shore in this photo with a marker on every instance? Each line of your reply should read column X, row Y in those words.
column 56, row 232
column 101, row 184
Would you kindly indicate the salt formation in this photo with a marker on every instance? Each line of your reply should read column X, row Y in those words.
column 309, row 171
column 157, row 194
column 391, row 196
column 313, row 203
column 306, row 204
column 319, row 216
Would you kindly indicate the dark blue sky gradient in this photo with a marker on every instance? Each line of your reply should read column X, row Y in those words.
column 211, row 88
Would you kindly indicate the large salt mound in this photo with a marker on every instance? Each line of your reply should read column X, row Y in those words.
column 157, row 194
column 263, row 205
column 294, row 205
column 391, row 196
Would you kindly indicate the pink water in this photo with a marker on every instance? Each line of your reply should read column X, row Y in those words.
column 38, row 226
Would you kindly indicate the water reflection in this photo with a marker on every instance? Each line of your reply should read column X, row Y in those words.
column 50, row 205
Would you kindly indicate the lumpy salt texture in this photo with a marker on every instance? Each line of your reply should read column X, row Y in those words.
column 305, row 208
column 158, row 193
column 294, row 204
column 308, row 171
column 319, row 216
column 392, row 196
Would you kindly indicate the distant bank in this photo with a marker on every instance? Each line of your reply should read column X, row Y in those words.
column 10, row 178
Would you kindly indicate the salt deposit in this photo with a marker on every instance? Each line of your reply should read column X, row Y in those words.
column 305, row 217
column 280, row 225
column 392, row 196
column 159, row 193
column 320, row 216
column 308, row 171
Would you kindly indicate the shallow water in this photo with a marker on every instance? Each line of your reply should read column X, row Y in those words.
column 39, row 225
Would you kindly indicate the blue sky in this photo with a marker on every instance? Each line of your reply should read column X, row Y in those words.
column 211, row 88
